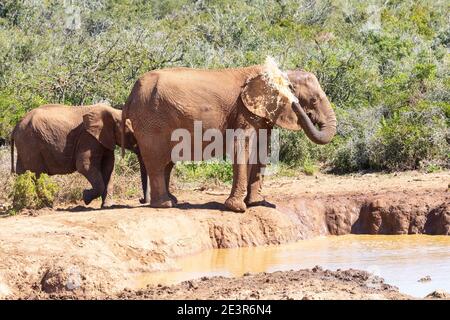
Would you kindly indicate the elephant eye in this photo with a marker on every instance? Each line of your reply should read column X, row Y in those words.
column 314, row 100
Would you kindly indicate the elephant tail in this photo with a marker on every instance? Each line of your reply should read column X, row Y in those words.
column 122, row 129
column 13, row 170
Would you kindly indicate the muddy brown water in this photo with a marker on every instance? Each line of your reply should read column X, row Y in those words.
column 400, row 260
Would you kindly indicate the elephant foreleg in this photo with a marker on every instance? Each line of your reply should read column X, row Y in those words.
column 254, row 196
column 94, row 175
column 235, row 201
column 256, row 175
column 108, row 179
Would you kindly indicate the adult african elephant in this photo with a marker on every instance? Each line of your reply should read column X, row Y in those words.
column 58, row 139
column 162, row 101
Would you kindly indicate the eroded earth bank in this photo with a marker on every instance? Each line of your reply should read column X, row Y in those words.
column 81, row 252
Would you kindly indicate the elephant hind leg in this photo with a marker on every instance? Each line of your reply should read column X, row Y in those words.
column 159, row 195
column 33, row 162
column 145, row 182
column 156, row 158
column 158, row 190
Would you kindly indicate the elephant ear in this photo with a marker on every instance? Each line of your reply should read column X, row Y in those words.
column 268, row 96
column 99, row 123
column 129, row 126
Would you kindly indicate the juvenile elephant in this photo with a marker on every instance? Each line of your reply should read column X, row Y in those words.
column 58, row 139
column 162, row 101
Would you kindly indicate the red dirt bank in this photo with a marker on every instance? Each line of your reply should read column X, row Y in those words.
column 104, row 249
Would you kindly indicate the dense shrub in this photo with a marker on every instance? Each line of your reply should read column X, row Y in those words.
column 32, row 193
column 216, row 170
column 296, row 149
column 411, row 138
column 126, row 165
column 24, row 191
column 379, row 62
column 46, row 191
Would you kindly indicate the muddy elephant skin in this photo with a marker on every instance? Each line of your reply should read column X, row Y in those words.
column 59, row 139
column 162, row 101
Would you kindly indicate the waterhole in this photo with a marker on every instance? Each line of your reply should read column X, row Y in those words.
column 401, row 260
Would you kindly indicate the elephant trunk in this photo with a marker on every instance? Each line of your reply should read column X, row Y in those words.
column 327, row 128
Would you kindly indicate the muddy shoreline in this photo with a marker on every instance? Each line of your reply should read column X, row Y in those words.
column 305, row 284
column 88, row 253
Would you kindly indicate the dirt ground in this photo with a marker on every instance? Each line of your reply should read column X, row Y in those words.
column 306, row 284
column 77, row 252
column 314, row 284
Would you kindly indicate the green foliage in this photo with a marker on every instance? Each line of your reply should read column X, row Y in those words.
column 296, row 150
column 378, row 62
column 29, row 192
column 411, row 137
column 215, row 170
column 72, row 194
column 430, row 168
column 24, row 191
column 132, row 192
column 126, row 165
column 309, row 168
column 46, row 191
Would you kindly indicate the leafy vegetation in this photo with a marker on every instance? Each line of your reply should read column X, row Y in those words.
column 30, row 192
column 214, row 170
column 383, row 64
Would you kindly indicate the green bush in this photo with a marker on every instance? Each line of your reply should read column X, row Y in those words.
column 29, row 192
column 72, row 194
column 216, row 170
column 431, row 167
column 309, row 168
column 376, row 61
column 126, row 165
column 411, row 137
column 296, row 149
column 46, row 191
column 24, row 191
